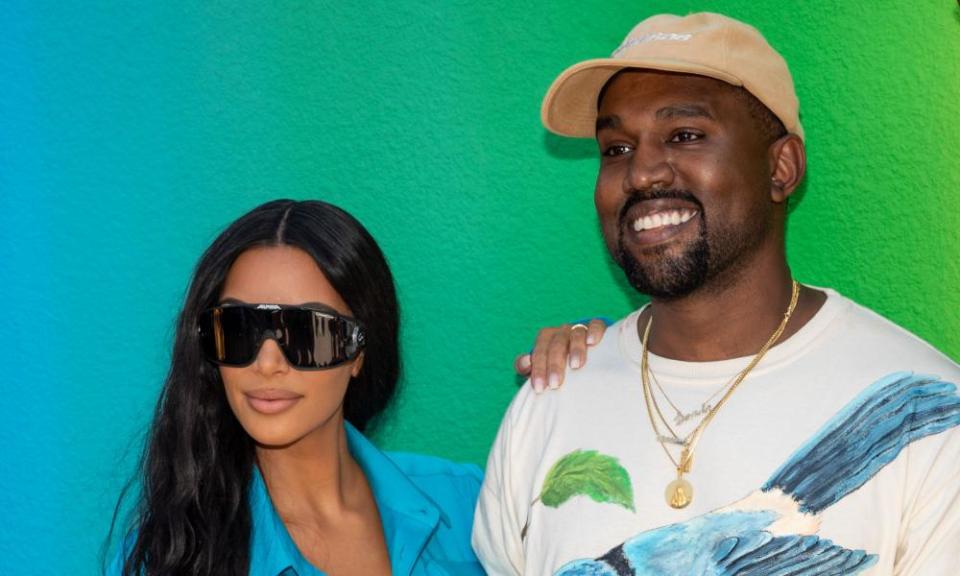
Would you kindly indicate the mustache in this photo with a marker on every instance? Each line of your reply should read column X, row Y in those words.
column 658, row 194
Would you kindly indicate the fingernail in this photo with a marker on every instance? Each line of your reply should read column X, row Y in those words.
column 525, row 361
column 576, row 361
column 591, row 339
column 538, row 384
column 554, row 381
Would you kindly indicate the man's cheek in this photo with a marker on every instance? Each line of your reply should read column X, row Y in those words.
column 611, row 237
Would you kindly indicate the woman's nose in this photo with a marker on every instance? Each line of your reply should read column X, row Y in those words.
column 270, row 359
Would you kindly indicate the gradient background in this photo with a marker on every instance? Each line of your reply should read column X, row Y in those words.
column 131, row 133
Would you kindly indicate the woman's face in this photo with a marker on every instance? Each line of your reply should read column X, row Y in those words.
column 276, row 404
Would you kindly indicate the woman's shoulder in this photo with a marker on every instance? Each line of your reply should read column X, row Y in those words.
column 452, row 486
column 425, row 469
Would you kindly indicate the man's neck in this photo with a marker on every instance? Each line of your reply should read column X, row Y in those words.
column 731, row 321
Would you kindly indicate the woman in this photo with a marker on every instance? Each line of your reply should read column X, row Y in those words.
column 285, row 350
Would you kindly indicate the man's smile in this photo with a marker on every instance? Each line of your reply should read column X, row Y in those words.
column 654, row 221
column 663, row 219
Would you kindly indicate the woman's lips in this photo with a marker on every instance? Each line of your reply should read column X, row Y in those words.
column 271, row 401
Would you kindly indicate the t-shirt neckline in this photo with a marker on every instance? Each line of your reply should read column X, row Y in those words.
column 713, row 372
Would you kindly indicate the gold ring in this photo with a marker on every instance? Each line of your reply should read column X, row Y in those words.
column 579, row 325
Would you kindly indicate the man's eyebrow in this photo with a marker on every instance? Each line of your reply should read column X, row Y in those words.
column 683, row 111
column 608, row 122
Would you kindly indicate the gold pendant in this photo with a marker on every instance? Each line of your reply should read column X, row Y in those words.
column 679, row 493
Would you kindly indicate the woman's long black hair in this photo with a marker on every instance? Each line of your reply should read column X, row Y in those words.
column 197, row 466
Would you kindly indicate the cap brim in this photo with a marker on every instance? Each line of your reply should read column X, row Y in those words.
column 570, row 105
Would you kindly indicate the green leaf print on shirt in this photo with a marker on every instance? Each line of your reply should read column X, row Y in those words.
column 585, row 473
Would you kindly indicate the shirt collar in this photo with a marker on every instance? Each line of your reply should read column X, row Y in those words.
column 272, row 550
column 391, row 486
column 409, row 516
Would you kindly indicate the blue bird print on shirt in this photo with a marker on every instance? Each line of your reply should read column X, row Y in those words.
column 772, row 532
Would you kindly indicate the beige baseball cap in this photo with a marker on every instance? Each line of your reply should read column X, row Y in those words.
column 705, row 44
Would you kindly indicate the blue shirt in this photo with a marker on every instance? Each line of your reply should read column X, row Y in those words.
column 426, row 508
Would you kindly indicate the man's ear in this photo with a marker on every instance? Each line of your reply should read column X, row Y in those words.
column 788, row 163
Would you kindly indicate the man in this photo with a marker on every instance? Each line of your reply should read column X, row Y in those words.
column 740, row 423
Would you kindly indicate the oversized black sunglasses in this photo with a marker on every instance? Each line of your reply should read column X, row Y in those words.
column 310, row 339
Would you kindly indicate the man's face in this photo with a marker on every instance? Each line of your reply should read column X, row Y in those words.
column 683, row 191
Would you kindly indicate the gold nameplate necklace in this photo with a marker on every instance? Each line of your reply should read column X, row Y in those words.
column 679, row 492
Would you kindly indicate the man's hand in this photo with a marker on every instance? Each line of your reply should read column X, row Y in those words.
column 554, row 349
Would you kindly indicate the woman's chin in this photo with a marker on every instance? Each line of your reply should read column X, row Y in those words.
column 281, row 433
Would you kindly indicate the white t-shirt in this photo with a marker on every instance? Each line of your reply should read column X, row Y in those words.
column 879, row 490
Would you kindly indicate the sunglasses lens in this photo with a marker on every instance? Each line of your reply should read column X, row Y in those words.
column 309, row 339
column 229, row 335
column 314, row 340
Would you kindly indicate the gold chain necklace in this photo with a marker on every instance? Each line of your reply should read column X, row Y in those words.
column 680, row 417
column 679, row 492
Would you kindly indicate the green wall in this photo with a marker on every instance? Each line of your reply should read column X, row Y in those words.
column 130, row 133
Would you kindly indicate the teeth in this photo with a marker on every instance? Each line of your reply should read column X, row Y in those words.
column 661, row 219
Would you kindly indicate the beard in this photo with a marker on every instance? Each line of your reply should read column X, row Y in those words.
column 667, row 273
